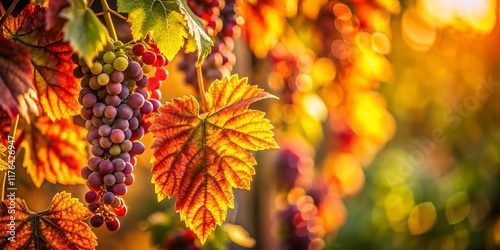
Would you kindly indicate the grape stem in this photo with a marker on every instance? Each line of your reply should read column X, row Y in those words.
column 7, row 14
column 3, row 174
column 107, row 19
column 201, row 87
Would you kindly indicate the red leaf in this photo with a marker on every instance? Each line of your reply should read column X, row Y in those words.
column 53, row 20
column 59, row 227
column 18, row 93
column 51, row 59
column 55, row 151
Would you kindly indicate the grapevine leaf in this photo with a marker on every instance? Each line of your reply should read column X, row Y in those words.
column 3, row 157
column 52, row 19
column 51, row 60
column 18, row 94
column 55, row 151
column 199, row 158
column 86, row 34
column 195, row 26
column 161, row 19
column 59, row 227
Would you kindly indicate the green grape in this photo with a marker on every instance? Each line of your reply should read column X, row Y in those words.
column 81, row 62
column 121, row 54
column 115, row 149
column 109, row 57
column 147, row 68
column 109, row 46
column 96, row 69
column 120, row 64
column 103, row 79
column 108, row 68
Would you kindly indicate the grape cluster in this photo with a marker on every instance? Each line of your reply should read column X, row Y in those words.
column 222, row 25
column 184, row 239
column 115, row 100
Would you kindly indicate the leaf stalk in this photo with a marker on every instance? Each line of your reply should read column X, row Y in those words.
column 201, row 87
column 107, row 19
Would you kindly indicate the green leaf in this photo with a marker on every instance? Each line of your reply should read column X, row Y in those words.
column 161, row 19
column 83, row 30
column 195, row 26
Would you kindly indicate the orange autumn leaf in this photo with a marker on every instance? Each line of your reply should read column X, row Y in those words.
column 59, row 227
column 50, row 59
column 199, row 158
column 55, row 151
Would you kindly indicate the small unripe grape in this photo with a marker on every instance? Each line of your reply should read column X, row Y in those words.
column 115, row 149
column 108, row 68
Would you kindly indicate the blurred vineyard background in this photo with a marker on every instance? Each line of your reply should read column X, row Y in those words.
column 388, row 122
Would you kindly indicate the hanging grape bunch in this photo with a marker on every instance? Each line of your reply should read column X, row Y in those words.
column 223, row 25
column 118, row 93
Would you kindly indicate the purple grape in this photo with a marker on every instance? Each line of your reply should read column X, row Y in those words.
column 128, row 134
column 133, row 123
column 85, row 172
column 97, row 150
column 129, row 168
column 124, row 112
column 117, row 76
column 113, row 224
column 94, row 180
column 92, row 135
column 113, row 100
column 97, row 220
column 104, row 130
column 119, row 164
column 143, row 92
column 134, row 71
column 97, row 121
column 137, row 148
column 105, row 142
column 120, row 124
column 156, row 104
column 117, row 135
column 108, row 121
column 89, row 100
column 94, row 163
column 114, row 88
column 93, row 207
column 129, row 180
column 119, row 177
column 126, row 145
column 135, row 100
column 88, row 124
column 110, row 112
column 124, row 93
column 124, row 156
column 91, row 196
column 86, row 113
column 93, row 84
column 106, row 167
column 147, row 108
column 84, row 83
column 119, row 189
column 102, row 93
column 109, row 180
column 108, row 198
column 137, row 134
column 99, row 109
column 143, row 82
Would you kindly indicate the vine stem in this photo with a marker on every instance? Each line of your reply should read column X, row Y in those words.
column 7, row 13
column 107, row 19
column 201, row 87
column 3, row 174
